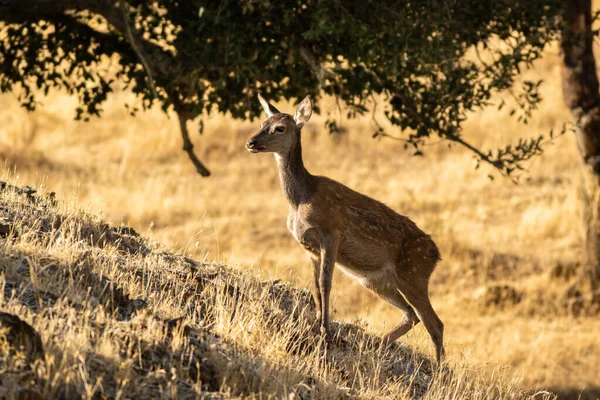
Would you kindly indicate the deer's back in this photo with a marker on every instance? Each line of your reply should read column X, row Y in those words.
column 373, row 235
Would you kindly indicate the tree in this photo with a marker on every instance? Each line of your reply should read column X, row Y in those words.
column 582, row 96
column 215, row 56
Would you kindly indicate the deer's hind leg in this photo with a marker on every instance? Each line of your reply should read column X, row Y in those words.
column 409, row 318
column 416, row 294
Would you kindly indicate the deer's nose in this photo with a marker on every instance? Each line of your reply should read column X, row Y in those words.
column 251, row 143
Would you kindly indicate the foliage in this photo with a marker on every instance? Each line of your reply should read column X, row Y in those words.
column 433, row 61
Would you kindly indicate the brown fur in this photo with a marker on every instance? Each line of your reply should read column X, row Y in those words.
column 369, row 241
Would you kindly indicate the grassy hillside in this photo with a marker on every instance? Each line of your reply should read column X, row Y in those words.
column 120, row 317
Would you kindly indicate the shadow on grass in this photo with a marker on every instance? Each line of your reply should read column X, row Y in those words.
column 588, row 393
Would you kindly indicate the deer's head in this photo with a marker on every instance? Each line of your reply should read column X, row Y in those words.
column 280, row 132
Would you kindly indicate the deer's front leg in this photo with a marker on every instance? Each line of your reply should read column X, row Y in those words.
column 329, row 250
column 316, row 289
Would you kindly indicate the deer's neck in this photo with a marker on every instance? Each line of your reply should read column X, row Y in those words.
column 297, row 183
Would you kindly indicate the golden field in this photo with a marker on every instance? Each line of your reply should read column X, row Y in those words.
column 505, row 310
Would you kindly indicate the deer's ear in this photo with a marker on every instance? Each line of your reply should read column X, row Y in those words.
column 268, row 107
column 303, row 112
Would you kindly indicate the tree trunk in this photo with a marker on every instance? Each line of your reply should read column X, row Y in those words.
column 580, row 91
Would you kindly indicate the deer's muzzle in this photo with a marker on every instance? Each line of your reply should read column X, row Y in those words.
column 253, row 146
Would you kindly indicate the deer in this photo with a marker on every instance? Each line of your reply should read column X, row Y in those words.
column 384, row 251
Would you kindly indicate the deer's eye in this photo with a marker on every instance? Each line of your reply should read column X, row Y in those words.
column 280, row 129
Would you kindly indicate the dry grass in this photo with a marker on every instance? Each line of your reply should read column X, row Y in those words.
column 497, row 289
column 122, row 318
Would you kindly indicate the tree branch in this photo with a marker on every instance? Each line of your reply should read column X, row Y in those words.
column 155, row 57
column 135, row 48
column 482, row 156
column 188, row 146
column 317, row 68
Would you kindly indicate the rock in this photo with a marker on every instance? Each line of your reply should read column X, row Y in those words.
column 5, row 228
column 21, row 337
